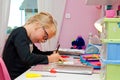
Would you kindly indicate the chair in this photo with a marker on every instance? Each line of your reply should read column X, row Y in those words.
column 4, row 75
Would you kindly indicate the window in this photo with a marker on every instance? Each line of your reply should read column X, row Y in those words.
column 20, row 11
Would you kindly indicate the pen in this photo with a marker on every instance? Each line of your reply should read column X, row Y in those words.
column 57, row 48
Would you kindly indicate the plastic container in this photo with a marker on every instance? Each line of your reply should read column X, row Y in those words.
column 112, row 28
column 93, row 49
column 110, row 49
column 91, row 60
column 110, row 13
column 110, row 70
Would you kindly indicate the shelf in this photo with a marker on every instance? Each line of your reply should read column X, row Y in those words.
column 100, row 2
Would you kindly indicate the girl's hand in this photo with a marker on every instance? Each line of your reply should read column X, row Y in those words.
column 55, row 57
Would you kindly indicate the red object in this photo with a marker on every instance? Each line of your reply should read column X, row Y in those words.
column 96, row 63
column 119, row 7
column 53, row 70
column 99, row 6
column 63, row 56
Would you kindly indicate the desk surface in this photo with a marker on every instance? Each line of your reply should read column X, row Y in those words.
column 59, row 76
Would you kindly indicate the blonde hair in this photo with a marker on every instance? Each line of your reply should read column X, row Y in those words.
column 45, row 19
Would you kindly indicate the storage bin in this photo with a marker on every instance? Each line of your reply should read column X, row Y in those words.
column 110, row 49
column 112, row 28
column 91, row 60
column 110, row 13
column 110, row 69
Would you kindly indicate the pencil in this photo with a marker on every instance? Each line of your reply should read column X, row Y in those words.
column 57, row 51
column 57, row 48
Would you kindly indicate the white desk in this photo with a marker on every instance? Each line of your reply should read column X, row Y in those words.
column 59, row 76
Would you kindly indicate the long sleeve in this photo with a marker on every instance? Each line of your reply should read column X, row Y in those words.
column 37, row 51
column 23, row 50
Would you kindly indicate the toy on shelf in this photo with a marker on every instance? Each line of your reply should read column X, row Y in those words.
column 79, row 43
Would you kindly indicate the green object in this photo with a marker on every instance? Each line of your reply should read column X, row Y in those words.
column 109, row 7
column 111, row 70
column 119, row 24
column 112, row 28
column 111, row 40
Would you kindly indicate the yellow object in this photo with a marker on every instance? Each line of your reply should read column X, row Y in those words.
column 96, row 56
column 33, row 75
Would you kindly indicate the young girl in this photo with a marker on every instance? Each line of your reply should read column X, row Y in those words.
column 20, row 53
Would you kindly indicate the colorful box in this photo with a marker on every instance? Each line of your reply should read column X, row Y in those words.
column 110, row 49
column 110, row 13
column 91, row 60
column 112, row 28
column 110, row 69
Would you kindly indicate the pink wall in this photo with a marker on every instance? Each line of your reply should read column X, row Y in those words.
column 81, row 22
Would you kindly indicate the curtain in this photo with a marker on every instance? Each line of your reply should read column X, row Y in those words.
column 56, row 8
column 4, row 17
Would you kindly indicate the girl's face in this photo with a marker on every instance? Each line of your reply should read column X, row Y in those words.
column 39, row 35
